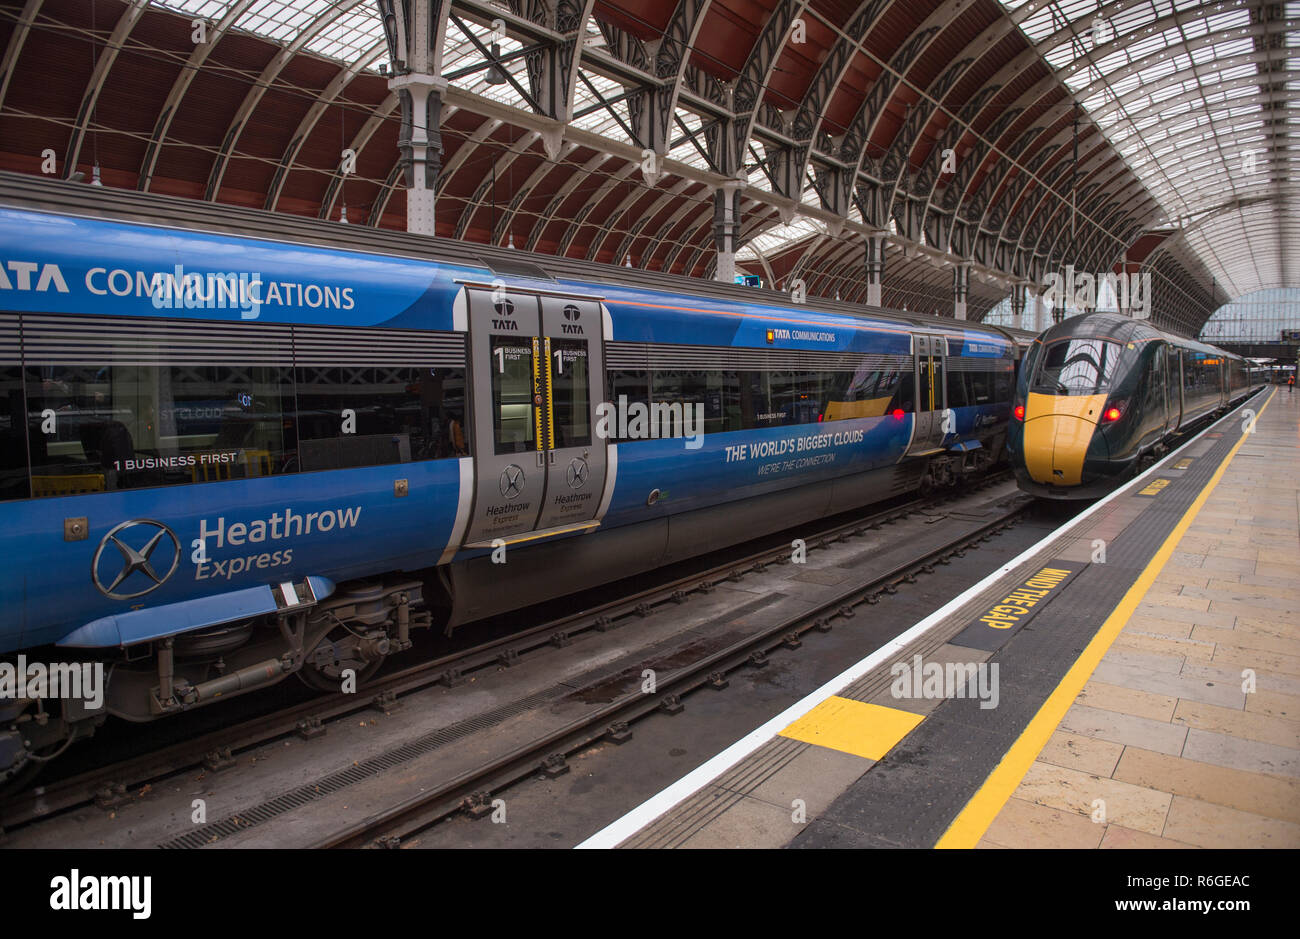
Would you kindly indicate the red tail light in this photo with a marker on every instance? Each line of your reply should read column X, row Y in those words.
column 1112, row 414
column 1020, row 412
column 898, row 414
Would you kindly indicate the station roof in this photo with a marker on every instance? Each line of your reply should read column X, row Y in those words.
column 949, row 126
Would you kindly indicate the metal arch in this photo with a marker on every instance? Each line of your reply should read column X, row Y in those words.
column 675, row 192
column 970, row 56
column 478, row 199
column 309, row 121
column 830, row 74
column 751, row 83
column 576, row 176
column 894, row 76
column 912, row 50
column 380, row 204
column 179, row 88
column 672, row 55
column 539, row 173
column 967, row 117
column 661, row 236
column 466, row 149
column 103, row 65
column 255, row 94
column 358, row 144
column 579, row 220
column 14, row 49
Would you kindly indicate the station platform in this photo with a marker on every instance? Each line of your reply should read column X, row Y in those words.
column 1131, row 681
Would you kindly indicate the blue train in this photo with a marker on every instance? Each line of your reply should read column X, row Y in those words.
column 238, row 446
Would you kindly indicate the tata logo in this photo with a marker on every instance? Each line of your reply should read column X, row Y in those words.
column 511, row 482
column 504, row 307
column 572, row 313
column 141, row 550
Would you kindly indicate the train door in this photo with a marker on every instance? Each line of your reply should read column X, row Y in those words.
column 538, row 465
column 928, row 431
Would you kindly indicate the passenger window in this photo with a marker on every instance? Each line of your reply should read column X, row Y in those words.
column 956, row 388
column 368, row 416
column 569, row 383
column 514, row 418
column 104, row 428
column 13, row 436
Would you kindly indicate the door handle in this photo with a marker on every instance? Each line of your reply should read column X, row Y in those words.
column 541, row 460
column 551, row 457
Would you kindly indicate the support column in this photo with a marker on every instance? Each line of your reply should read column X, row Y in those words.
column 1019, row 294
column 1041, row 311
column 875, row 266
column 415, row 48
column 726, row 229
column 960, row 290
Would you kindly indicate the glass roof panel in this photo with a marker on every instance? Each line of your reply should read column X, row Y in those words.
column 1169, row 83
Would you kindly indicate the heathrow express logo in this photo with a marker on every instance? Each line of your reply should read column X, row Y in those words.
column 577, row 474
column 121, row 566
column 512, row 481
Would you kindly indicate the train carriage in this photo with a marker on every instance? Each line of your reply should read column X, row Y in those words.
column 229, row 456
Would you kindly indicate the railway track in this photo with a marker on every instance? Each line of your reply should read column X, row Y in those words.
column 115, row 784
column 473, row 791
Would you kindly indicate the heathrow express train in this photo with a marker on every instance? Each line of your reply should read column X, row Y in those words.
column 246, row 446
column 1099, row 396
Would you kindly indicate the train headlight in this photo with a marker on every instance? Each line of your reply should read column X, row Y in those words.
column 1111, row 415
column 1019, row 412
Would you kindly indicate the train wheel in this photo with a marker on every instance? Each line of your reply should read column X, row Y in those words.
column 344, row 650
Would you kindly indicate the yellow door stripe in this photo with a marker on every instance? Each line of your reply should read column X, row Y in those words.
column 969, row 826
column 537, row 391
column 550, row 400
column 866, row 730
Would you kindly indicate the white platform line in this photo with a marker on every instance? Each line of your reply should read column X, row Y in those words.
column 623, row 828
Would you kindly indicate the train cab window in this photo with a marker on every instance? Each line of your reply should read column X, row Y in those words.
column 371, row 416
column 103, row 428
column 570, row 381
column 1076, row 367
column 13, row 436
column 514, row 416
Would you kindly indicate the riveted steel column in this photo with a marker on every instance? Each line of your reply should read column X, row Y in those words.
column 875, row 267
column 1019, row 294
column 414, row 30
column 960, row 290
column 726, row 228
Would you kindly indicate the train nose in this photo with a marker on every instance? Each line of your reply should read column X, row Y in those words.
column 1058, row 431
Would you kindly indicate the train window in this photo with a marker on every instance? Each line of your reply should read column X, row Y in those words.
column 13, row 436
column 1002, row 386
column 513, row 410
column 368, row 416
column 1076, row 367
column 102, row 428
column 981, row 387
column 626, row 388
column 570, row 381
column 957, row 397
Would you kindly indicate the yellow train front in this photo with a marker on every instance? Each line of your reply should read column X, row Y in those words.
column 1100, row 396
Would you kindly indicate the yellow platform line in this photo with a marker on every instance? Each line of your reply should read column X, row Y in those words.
column 969, row 826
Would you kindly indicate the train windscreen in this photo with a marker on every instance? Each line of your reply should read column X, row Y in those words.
column 1076, row 367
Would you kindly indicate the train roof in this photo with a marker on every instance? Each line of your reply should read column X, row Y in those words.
column 1124, row 329
column 67, row 198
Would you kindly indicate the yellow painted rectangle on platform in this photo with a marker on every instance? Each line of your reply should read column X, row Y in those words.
column 865, row 730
